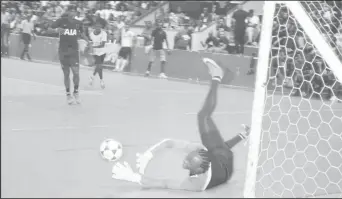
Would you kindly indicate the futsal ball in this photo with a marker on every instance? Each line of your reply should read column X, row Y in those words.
column 111, row 150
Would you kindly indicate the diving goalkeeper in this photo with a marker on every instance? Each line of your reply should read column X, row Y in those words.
column 209, row 164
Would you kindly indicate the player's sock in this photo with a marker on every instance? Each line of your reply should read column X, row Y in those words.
column 149, row 66
column 76, row 88
column 95, row 71
column 67, row 91
column 76, row 80
column 234, row 141
column 162, row 67
column 28, row 56
column 118, row 64
column 100, row 71
column 123, row 64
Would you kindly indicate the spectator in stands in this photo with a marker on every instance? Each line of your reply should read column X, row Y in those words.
column 5, row 29
column 206, row 17
column 211, row 43
column 239, row 24
column 221, row 26
column 213, row 12
column 183, row 39
column 199, row 26
column 253, row 28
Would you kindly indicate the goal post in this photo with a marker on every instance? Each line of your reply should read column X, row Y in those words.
column 295, row 146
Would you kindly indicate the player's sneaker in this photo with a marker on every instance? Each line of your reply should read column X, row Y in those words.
column 102, row 84
column 70, row 99
column 214, row 69
column 91, row 80
column 147, row 74
column 162, row 76
column 77, row 98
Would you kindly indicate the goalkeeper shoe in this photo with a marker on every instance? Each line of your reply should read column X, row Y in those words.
column 214, row 69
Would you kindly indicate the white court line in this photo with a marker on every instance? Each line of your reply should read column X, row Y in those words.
column 249, row 111
column 34, row 83
column 59, row 128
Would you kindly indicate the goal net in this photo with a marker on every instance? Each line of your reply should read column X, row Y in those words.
column 295, row 147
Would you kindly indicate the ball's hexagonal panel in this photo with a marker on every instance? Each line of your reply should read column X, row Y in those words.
column 303, row 126
column 323, row 148
column 336, row 125
column 321, row 180
column 288, row 166
column 285, row 105
column 279, row 158
column 299, row 160
column 301, row 143
column 314, row 119
column 322, row 164
column 294, row 115
column 313, row 136
column 288, row 182
column 311, row 153
column 335, row 159
column 304, row 108
column 310, row 169
column 299, row 175
column 325, row 131
column 310, row 186
column 284, row 122
column 334, row 175
column 290, row 150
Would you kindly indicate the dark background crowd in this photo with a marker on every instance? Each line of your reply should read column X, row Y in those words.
column 295, row 61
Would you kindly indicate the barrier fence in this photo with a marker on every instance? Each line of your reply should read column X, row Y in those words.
column 180, row 64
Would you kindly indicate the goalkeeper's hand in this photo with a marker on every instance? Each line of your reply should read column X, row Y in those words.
column 143, row 160
column 125, row 172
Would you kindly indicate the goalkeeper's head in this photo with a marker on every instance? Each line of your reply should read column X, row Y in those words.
column 197, row 162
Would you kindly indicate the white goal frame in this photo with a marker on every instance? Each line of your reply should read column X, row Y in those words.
column 262, row 72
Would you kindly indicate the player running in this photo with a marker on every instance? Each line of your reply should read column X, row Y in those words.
column 208, row 166
column 99, row 39
column 70, row 30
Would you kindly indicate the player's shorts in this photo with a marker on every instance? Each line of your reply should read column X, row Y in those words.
column 157, row 53
column 26, row 38
column 99, row 59
column 125, row 52
column 69, row 58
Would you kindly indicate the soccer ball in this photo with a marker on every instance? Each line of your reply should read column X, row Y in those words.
column 111, row 150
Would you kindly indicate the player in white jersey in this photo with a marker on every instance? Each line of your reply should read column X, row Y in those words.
column 99, row 39
column 27, row 29
column 128, row 40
